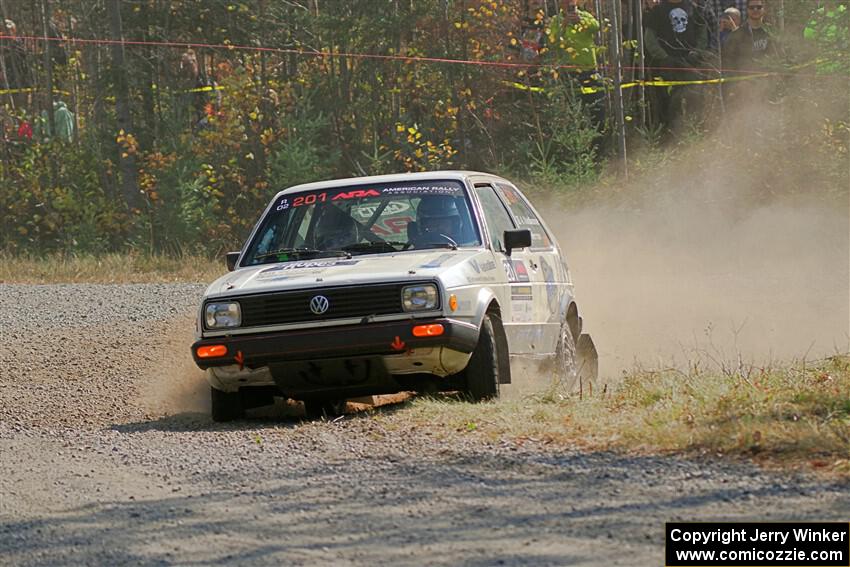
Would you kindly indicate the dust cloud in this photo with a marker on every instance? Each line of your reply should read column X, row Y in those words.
column 730, row 254
column 174, row 384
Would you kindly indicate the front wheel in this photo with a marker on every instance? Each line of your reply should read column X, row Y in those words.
column 226, row 406
column 484, row 370
column 565, row 359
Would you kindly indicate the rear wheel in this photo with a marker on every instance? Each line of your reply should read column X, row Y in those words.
column 226, row 406
column 484, row 370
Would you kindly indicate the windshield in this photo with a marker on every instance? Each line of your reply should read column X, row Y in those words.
column 365, row 219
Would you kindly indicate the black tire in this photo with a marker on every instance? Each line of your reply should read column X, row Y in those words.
column 566, row 366
column 226, row 406
column 484, row 370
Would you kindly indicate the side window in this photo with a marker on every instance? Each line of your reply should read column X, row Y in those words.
column 498, row 219
column 525, row 216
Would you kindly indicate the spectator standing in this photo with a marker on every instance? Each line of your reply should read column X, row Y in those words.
column 729, row 22
column 750, row 48
column 751, row 45
column 13, row 52
column 197, row 88
column 571, row 44
column 64, row 121
column 675, row 39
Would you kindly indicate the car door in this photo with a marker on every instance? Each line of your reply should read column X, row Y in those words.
column 545, row 271
column 518, row 302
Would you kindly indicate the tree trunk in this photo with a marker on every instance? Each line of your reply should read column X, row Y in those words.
column 129, row 172
column 3, row 59
column 617, row 74
column 48, row 66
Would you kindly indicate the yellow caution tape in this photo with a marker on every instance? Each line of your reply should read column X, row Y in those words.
column 524, row 87
column 66, row 93
column 205, row 89
column 657, row 82
column 16, row 91
column 30, row 90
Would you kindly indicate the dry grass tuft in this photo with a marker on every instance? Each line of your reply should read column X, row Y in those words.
column 797, row 415
column 109, row 268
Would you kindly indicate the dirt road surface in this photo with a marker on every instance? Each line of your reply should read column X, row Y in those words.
column 109, row 458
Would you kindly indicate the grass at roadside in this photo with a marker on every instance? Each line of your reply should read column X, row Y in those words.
column 109, row 268
column 797, row 415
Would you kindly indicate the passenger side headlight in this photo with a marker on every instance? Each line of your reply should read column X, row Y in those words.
column 222, row 315
column 420, row 297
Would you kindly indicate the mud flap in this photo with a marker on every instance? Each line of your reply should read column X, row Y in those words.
column 587, row 359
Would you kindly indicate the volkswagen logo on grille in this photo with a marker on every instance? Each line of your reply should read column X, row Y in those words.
column 319, row 304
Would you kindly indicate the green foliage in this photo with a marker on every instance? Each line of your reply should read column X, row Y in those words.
column 55, row 201
column 563, row 142
column 207, row 162
column 300, row 156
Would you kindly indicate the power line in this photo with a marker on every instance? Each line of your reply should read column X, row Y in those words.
column 374, row 56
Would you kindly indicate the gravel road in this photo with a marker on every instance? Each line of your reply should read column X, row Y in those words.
column 109, row 458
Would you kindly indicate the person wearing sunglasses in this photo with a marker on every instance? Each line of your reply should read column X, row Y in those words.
column 752, row 48
column 751, row 44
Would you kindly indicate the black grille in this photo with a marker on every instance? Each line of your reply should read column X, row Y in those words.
column 344, row 302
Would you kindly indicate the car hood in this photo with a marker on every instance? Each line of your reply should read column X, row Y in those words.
column 323, row 272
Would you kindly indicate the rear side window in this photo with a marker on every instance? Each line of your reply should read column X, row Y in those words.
column 498, row 219
column 525, row 217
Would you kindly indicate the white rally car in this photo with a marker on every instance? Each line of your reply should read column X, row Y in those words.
column 376, row 285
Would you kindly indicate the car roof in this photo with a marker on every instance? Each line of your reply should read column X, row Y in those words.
column 458, row 175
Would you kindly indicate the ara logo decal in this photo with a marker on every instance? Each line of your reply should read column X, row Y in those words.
column 357, row 193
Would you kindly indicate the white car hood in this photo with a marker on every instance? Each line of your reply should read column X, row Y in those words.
column 323, row 272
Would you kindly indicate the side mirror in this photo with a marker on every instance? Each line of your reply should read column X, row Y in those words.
column 516, row 239
column 230, row 259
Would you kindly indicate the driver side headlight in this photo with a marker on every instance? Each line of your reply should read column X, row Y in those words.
column 420, row 297
column 222, row 315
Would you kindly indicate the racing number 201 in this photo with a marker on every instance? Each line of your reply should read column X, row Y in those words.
column 309, row 199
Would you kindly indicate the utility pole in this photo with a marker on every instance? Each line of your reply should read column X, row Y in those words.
column 616, row 62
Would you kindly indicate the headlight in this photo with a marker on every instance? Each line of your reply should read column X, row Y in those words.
column 222, row 315
column 420, row 297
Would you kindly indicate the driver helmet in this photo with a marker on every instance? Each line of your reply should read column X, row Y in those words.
column 335, row 229
column 438, row 214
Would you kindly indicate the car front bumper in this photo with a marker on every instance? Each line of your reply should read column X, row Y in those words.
column 365, row 340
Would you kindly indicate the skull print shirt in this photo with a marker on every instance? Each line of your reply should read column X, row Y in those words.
column 677, row 25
